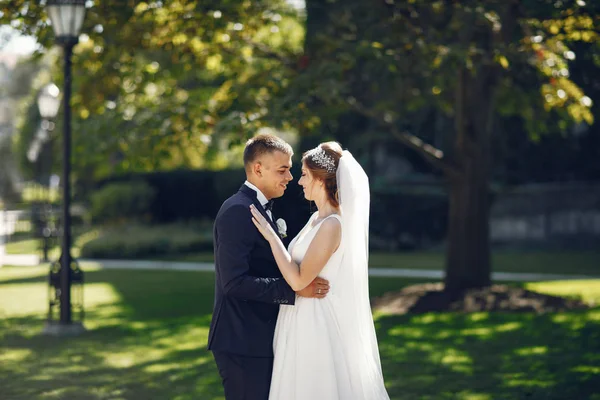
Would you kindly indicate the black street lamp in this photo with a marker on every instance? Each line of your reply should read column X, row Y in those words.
column 66, row 17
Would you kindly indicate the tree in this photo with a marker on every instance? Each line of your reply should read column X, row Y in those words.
column 473, row 62
column 163, row 85
column 165, row 75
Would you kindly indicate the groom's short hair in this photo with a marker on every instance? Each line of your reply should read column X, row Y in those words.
column 262, row 144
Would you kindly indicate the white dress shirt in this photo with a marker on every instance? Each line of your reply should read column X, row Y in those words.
column 260, row 196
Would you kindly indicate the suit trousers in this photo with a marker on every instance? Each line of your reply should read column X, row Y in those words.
column 244, row 378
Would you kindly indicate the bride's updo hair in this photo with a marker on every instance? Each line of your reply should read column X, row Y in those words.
column 322, row 162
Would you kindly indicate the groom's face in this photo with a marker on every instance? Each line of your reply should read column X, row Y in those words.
column 274, row 173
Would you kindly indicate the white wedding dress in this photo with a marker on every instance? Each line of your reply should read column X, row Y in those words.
column 314, row 358
column 309, row 359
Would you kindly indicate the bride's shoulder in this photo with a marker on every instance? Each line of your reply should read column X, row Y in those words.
column 335, row 216
column 332, row 222
column 330, row 231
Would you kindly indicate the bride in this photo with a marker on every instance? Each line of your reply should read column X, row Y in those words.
column 327, row 348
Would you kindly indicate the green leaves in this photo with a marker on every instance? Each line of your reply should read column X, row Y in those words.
column 405, row 56
column 154, row 81
column 169, row 84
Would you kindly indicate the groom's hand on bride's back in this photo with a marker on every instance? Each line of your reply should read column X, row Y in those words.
column 317, row 289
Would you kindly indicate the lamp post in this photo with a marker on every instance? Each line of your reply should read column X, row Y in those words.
column 66, row 17
column 48, row 103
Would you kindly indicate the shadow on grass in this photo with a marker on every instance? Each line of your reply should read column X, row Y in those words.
column 491, row 355
column 116, row 362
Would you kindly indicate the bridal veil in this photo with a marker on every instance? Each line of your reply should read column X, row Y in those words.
column 356, row 321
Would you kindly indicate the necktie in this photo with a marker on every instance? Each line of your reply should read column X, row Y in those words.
column 269, row 205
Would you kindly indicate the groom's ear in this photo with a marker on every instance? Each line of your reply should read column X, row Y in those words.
column 257, row 168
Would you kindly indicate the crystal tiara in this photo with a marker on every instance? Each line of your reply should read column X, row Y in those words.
column 321, row 158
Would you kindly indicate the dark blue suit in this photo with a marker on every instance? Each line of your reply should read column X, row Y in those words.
column 248, row 291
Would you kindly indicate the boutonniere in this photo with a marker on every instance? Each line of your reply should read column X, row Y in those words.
column 281, row 227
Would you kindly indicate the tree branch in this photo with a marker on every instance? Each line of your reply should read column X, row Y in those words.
column 429, row 153
column 267, row 52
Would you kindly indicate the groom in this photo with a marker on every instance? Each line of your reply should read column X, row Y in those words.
column 248, row 285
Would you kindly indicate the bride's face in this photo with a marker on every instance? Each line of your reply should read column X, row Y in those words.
column 309, row 184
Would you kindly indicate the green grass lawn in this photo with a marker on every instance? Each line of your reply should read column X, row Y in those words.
column 34, row 246
column 30, row 246
column 549, row 262
column 148, row 331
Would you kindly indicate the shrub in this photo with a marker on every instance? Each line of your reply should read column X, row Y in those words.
column 183, row 195
column 122, row 201
column 146, row 241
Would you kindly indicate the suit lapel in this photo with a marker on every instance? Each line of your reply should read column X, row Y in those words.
column 252, row 195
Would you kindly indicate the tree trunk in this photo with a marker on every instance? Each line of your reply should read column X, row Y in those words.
column 318, row 13
column 468, row 247
column 468, row 263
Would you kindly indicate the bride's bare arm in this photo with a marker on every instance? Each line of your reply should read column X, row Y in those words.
column 326, row 241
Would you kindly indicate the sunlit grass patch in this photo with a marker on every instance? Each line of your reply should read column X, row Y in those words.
column 588, row 290
column 528, row 351
column 29, row 246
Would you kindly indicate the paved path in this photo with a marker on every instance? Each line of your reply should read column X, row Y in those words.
column 20, row 260
column 32, row 260
column 379, row 272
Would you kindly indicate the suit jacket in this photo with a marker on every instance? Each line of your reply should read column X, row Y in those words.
column 248, row 285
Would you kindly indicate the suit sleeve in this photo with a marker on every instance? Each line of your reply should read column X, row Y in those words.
column 234, row 240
